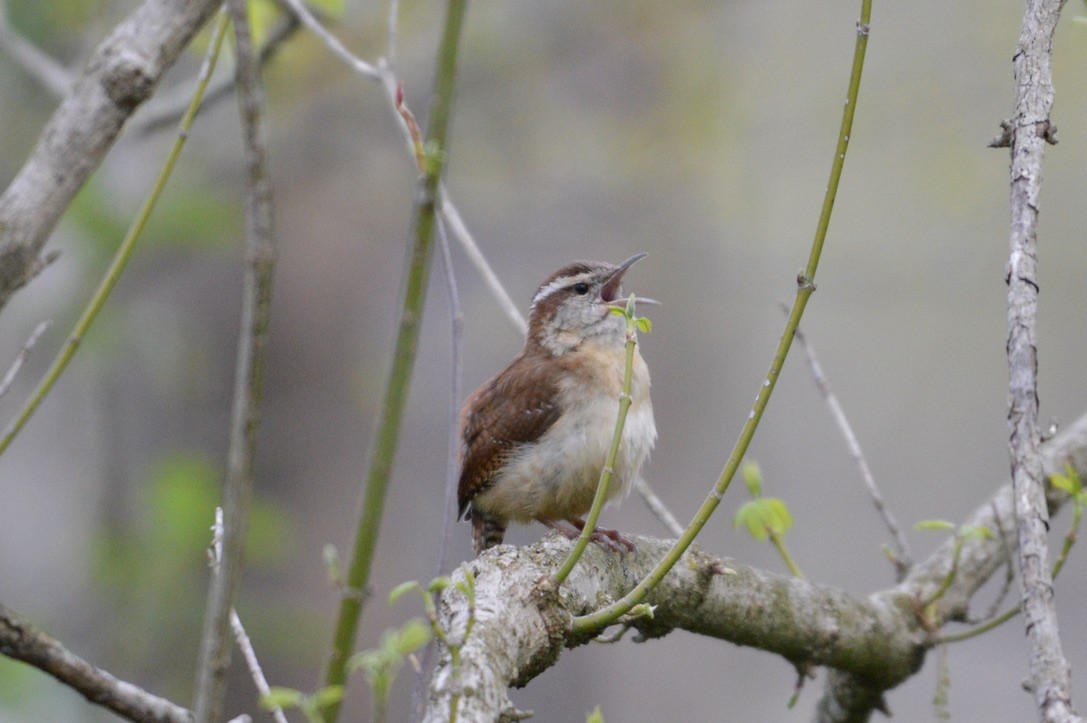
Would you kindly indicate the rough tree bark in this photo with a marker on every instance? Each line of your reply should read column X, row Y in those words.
column 121, row 73
column 872, row 644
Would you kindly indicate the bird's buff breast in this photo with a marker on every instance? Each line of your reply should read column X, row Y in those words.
column 556, row 477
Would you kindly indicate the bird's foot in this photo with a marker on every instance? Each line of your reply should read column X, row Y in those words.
column 610, row 539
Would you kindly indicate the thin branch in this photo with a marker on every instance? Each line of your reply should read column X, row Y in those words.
column 121, row 73
column 53, row 76
column 385, row 74
column 1009, row 574
column 240, row 636
column 17, row 364
column 120, row 258
column 333, row 43
column 1031, row 130
column 253, row 664
column 22, row 641
column 902, row 558
column 452, row 475
column 165, row 111
column 657, row 507
column 805, row 288
column 248, row 380
column 456, row 334
column 471, row 249
column 399, row 379
column 391, row 33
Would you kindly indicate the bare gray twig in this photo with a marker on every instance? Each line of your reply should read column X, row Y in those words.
column 471, row 249
column 17, row 364
column 165, row 112
column 903, row 559
column 657, row 507
column 22, row 641
column 1030, row 128
column 252, row 344
column 333, row 43
column 53, row 76
column 456, row 320
column 393, row 21
column 383, row 72
column 240, row 636
column 452, row 476
column 1009, row 572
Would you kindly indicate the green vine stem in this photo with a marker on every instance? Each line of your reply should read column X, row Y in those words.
column 779, row 543
column 592, row 622
column 1058, row 564
column 124, row 251
column 396, row 390
column 609, row 467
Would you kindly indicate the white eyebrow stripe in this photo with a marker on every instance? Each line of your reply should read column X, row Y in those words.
column 560, row 283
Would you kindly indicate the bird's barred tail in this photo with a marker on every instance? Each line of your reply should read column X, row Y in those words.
column 486, row 531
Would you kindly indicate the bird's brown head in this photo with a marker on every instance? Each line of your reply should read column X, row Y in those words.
column 574, row 304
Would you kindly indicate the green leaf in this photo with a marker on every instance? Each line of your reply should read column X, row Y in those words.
column 328, row 695
column 438, row 584
column 281, row 698
column 975, row 532
column 400, row 590
column 262, row 15
column 1069, row 481
column 412, row 635
column 1063, row 483
column 617, row 311
column 752, row 478
column 368, row 661
column 597, row 716
column 749, row 516
column 939, row 525
column 778, row 518
column 644, row 325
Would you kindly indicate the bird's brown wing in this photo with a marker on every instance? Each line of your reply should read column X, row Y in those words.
column 515, row 407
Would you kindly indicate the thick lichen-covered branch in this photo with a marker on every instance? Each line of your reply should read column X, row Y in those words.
column 872, row 644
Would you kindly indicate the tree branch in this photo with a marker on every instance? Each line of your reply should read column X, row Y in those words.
column 1030, row 129
column 902, row 557
column 248, row 379
column 22, row 641
column 804, row 623
column 121, row 73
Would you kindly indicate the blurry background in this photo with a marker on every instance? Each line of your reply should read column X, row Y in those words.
column 701, row 133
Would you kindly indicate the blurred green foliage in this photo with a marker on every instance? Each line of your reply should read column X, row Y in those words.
column 155, row 571
column 18, row 683
column 263, row 14
column 191, row 217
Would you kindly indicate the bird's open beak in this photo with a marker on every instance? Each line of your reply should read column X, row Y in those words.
column 609, row 293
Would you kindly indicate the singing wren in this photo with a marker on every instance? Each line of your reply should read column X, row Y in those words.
column 536, row 436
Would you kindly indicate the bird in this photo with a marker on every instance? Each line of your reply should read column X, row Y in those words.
column 536, row 436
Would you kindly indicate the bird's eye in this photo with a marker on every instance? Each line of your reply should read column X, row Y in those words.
column 581, row 288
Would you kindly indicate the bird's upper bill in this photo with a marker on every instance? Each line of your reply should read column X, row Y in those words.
column 609, row 292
